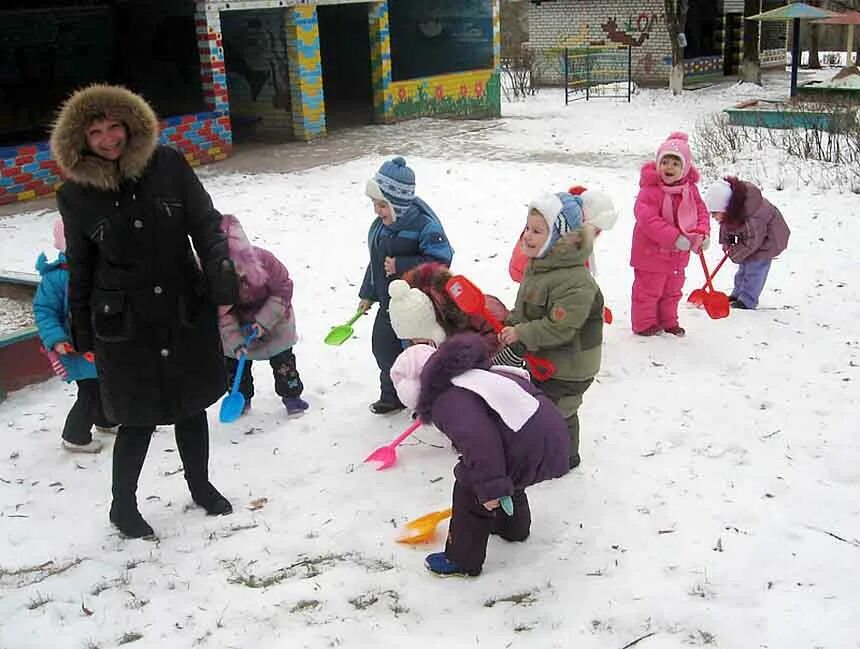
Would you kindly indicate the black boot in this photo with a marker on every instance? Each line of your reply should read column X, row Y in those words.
column 192, row 440
column 129, row 452
column 383, row 407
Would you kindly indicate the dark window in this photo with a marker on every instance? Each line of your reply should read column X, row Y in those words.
column 48, row 49
column 439, row 36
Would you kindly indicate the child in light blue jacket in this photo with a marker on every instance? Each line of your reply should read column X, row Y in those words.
column 51, row 310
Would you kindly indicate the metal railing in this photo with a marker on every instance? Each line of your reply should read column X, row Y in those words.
column 597, row 73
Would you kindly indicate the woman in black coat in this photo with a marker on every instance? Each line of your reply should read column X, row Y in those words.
column 139, row 297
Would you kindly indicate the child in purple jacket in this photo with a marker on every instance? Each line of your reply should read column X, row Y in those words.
column 752, row 231
column 265, row 305
column 508, row 433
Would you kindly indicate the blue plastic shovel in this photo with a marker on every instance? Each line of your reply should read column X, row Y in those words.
column 234, row 403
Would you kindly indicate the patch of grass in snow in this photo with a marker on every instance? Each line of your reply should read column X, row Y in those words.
column 518, row 599
column 305, row 604
column 128, row 637
column 107, row 584
column 700, row 638
column 312, row 567
column 29, row 575
column 38, row 600
column 366, row 600
column 701, row 589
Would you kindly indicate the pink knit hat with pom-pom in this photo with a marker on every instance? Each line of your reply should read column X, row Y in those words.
column 677, row 145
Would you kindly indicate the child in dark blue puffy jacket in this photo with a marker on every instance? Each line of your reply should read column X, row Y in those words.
column 404, row 234
column 51, row 310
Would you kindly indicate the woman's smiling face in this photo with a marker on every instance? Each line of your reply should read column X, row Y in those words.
column 107, row 138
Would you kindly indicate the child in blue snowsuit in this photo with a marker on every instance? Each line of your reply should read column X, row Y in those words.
column 405, row 233
column 51, row 310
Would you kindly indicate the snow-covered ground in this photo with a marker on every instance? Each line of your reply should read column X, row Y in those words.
column 717, row 503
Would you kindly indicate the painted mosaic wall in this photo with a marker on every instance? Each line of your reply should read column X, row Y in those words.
column 28, row 171
column 468, row 94
column 306, row 87
column 380, row 60
column 704, row 66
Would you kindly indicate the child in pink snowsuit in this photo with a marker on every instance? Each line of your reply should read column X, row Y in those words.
column 671, row 220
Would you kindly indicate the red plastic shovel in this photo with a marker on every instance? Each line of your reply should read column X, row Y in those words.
column 716, row 303
column 387, row 455
column 470, row 299
column 697, row 297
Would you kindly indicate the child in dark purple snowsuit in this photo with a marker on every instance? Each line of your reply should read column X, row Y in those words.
column 752, row 231
column 508, row 433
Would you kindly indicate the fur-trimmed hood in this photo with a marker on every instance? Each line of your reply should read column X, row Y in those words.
column 456, row 355
column 746, row 200
column 69, row 141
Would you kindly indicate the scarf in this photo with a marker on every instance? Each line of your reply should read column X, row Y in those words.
column 686, row 221
column 514, row 405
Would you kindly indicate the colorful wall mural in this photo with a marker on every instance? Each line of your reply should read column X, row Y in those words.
column 267, row 70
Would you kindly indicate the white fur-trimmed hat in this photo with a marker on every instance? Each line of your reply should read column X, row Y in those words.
column 406, row 373
column 412, row 314
column 598, row 209
column 717, row 196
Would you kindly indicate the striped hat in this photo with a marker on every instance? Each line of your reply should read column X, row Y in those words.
column 394, row 183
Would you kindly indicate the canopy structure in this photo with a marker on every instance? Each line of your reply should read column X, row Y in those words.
column 794, row 12
column 849, row 18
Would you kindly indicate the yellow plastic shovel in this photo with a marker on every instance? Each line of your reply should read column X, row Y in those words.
column 421, row 530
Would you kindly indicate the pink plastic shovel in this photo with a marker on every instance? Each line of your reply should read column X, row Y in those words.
column 387, row 454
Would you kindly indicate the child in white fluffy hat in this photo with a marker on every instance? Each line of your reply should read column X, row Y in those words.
column 558, row 314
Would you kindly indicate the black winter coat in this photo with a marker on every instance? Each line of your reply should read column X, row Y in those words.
column 138, row 296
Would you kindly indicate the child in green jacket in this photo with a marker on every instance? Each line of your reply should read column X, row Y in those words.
column 559, row 309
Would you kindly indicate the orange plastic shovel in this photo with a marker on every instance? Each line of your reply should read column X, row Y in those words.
column 421, row 530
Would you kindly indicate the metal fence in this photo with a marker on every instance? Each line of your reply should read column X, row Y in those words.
column 597, row 73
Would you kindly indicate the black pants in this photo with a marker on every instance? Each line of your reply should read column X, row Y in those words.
column 386, row 348
column 471, row 526
column 86, row 412
column 567, row 396
column 132, row 443
column 288, row 383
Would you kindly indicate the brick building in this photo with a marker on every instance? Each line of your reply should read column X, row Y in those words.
column 220, row 71
column 714, row 36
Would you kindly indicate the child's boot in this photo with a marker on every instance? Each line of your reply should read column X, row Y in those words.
column 295, row 406
column 441, row 566
column 676, row 330
column 382, row 407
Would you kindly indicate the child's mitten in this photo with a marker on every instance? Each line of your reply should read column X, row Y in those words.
column 507, row 505
column 682, row 243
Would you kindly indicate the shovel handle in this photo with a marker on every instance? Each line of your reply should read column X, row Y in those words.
column 240, row 368
column 707, row 272
column 357, row 315
column 406, row 433
column 716, row 270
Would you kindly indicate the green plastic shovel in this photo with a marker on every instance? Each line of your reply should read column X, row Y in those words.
column 341, row 333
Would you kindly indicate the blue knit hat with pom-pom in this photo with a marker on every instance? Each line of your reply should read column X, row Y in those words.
column 395, row 183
